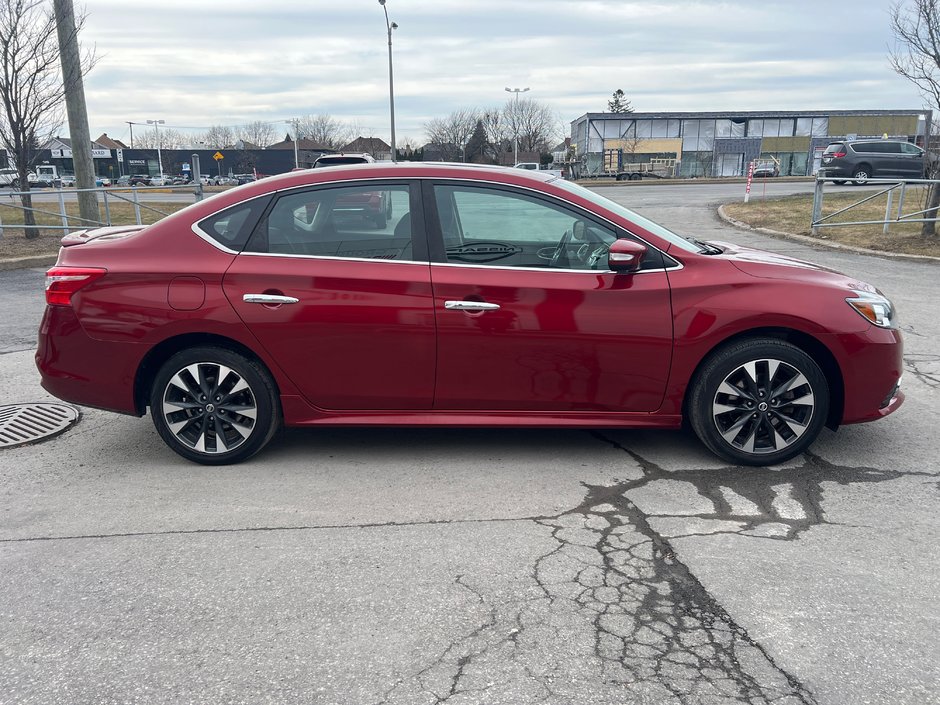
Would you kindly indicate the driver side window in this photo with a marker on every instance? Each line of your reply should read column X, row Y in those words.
column 503, row 228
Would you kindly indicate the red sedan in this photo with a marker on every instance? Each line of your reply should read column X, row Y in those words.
column 495, row 297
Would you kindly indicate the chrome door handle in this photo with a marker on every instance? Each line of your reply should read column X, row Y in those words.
column 268, row 299
column 470, row 306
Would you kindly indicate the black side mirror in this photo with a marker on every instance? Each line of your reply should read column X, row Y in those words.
column 625, row 255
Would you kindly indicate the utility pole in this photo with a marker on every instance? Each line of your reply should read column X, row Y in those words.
column 131, row 125
column 77, row 112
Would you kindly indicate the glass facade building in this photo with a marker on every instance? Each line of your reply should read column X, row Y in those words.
column 717, row 144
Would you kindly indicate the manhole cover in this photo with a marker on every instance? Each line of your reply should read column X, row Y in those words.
column 29, row 423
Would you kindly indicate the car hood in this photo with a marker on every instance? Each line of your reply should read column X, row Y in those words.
column 771, row 265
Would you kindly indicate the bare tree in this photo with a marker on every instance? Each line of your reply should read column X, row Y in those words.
column 498, row 134
column 324, row 130
column 450, row 135
column 169, row 138
column 532, row 123
column 31, row 86
column 258, row 132
column 219, row 137
column 916, row 56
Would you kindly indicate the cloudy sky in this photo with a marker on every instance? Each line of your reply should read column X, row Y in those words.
column 196, row 64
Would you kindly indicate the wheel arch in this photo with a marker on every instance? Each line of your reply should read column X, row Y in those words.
column 163, row 351
column 809, row 344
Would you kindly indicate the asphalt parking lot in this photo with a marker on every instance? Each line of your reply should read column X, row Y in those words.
column 479, row 566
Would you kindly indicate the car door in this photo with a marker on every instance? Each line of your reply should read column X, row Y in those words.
column 912, row 160
column 343, row 307
column 529, row 317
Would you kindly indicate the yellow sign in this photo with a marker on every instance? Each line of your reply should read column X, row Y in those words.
column 217, row 156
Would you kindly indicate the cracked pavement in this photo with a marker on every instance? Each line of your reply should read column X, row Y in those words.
column 446, row 566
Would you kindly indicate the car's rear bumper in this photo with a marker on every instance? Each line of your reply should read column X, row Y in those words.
column 77, row 368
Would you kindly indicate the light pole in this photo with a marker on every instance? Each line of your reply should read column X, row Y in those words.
column 156, row 126
column 515, row 124
column 391, row 82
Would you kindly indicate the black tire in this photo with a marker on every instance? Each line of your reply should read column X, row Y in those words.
column 620, row 177
column 839, row 183
column 203, row 412
column 779, row 408
column 861, row 174
column 635, row 177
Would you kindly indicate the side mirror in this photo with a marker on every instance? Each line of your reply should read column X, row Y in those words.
column 625, row 255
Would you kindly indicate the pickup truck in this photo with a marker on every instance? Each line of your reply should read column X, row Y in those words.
column 535, row 166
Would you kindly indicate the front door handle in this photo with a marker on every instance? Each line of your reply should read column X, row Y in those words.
column 268, row 299
column 470, row 306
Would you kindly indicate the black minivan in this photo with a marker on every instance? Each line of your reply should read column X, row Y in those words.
column 874, row 159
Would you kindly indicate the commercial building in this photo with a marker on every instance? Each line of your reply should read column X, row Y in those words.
column 724, row 143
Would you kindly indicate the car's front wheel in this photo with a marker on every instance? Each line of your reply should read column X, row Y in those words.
column 758, row 402
column 214, row 406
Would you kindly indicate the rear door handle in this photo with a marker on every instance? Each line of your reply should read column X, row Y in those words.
column 268, row 299
column 470, row 306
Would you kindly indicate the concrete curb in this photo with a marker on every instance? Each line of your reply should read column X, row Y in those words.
column 27, row 262
column 823, row 243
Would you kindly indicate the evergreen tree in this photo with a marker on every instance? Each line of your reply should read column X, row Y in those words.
column 619, row 103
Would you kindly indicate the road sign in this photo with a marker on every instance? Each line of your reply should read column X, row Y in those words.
column 218, row 156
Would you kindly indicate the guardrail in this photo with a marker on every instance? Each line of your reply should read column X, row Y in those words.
column 126, row 194
column 893, row 214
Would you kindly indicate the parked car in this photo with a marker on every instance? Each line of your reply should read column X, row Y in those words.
column 868, row 159
column 500, row 297
column 766, row 168
column 376, row 206
column 159, row 180
column 224, row 181
column 67, row 180
column 342, row 159
column 244, row 178
column 134, row 180
column 101, row 181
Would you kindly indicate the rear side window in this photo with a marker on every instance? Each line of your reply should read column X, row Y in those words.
column 231, row 227
column 835, row 147
column 909, row 148
column 871, row 147
column 368, row 221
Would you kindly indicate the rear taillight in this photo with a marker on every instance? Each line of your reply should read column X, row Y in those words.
column 836, row 154
column 62, row 282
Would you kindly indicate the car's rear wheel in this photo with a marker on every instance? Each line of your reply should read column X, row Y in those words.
column 839, row 182
column 759, row 402
column 214, row 406
column 861, row 175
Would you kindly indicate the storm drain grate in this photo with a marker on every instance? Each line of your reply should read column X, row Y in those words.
column 29, row 423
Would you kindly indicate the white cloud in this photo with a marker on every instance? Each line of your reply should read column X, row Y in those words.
column 197, row 64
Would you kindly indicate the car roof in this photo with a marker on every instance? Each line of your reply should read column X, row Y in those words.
column 408, row 169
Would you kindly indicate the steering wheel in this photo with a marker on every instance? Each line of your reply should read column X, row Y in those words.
column 561, row 251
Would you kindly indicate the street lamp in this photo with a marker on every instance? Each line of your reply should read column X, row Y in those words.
column 515, row 124
column 156, row 126
column 391, row 83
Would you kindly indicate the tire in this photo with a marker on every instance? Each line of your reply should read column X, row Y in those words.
column 861, row 175
column 755, row 426
column 199, row 428
column 635, row 177
column 839, row 183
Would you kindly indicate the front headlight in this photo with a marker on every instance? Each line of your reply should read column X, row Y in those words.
column 874, row 307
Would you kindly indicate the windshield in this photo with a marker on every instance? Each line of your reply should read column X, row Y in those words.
column 632, row 216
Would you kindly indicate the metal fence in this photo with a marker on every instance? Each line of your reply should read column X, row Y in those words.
column 894, row 207
column 11, row 202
